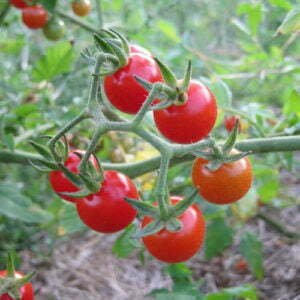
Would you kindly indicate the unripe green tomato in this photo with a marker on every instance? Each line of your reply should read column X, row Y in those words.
column 54, row 29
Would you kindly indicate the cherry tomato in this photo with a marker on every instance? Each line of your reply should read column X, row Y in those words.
column 191, row 121
column 26, row 291
column 121, row 88
column 225, row 185
column 19, row 3
column 106, row 211
column 229, row 123
column 175, row 247
column 58, row 180
column 54, row 29
column 81, row 7
column 34, row 17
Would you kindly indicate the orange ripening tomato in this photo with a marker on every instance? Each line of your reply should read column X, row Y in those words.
column 227, row 184
column 81, row 8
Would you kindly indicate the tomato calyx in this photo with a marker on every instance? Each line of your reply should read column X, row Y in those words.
column 10, row 284
column 169, row 221
column 53, row 157
column 220, row 154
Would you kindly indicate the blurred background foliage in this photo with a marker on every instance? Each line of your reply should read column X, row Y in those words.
column 248, row 53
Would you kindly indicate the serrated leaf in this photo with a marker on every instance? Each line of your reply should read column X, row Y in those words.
column 125, row 244
column 57, row 60
column 291, row 22
column 251, row 249
column 218, row 237
column 17, row 206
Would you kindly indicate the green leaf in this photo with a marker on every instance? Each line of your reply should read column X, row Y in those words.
column 169, row 30
column 292, row 104
column 49, row 4
column 285, row 4
column 12, row 46
column 291, row 22
column 247, row 292
column 251, row 249
column 218, row 238
column 125, row 244
column 17, row 206
column 25, row 109
column 57, row 61
column 9, row 142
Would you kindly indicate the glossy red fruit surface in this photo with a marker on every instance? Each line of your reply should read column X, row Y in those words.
column 19, row 3
column 34, row 17
column 192, row 121
column 175, row 247
column 106, row 211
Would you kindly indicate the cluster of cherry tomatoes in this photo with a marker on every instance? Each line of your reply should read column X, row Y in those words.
column 35, row 16
column 107, row 212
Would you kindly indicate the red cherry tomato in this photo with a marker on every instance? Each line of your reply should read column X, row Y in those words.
column 175, row 247
column 106, row 211
column 60, row 183
column 34, row 17
column 225, row 185
column 19, row 3
column 229, row 123
column 192, row 121
column 26, row 291
column 121, row 88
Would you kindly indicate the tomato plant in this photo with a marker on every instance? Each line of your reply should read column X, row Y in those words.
column 189, row 122
column 54, row 29
column 229, row 183
column 121, row 88
column 58, row 180
column 34, row 17
column 19, row 3
column 174, row 247
column 106, row 211
column 81, row 7
column 26, row 291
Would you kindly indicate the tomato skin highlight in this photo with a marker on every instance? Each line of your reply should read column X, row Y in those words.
column 121, row 88
column 106, row 211
column 81, row 8
column 225, row 185
column 34, row 17
column 26, row 291
column 18, row 3
column 192, row 121
column 58, row 180
column 175, row 247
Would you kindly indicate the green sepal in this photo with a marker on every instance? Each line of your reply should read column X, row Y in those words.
column 143, row 208
column 182, row 206
column 187, row 77
column 10, row 265
column 203, row 154
column 102, row 45
column 149, row 229
column 162, row 105
column 77, row 195
column 46, row 166
column 214, row 165
column 123, row 40
column 167, row 74
column 235, row 157
column 42, row 150
column 229, row 144
column 87, row 54
column 173, row 225
column 74, row 178
column 144, row 83
column 120, row 53
column 91, row 184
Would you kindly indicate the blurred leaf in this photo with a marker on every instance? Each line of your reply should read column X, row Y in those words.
column 247, row 292
column 8, row 141
column 281, row 3
column 218, row 237
column 57, row 60
column 251, row 249
column 125, row 244
column 169, row 30
column 49, row 4
column 17, row 206
column 25, row 109
column 291, row 22
column 292, row 104
column 240, row 25
column 12, row 46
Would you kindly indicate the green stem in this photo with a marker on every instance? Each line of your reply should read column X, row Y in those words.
column 4, row 12
column 99, row 12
